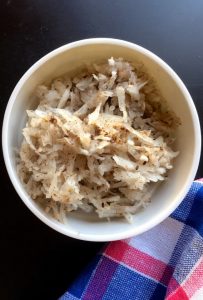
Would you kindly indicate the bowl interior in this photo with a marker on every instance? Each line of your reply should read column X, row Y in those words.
column 167, row 196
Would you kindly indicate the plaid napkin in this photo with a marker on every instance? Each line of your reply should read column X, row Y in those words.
column 165, row 262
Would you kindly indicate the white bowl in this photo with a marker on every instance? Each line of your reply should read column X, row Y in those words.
column 169, row 195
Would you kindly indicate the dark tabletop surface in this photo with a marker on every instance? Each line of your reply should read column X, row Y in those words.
column 37, row 262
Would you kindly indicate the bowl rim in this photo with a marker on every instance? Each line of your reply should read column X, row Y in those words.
column 134, row 230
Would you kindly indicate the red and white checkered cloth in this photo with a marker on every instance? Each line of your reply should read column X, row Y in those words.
column 165, row 262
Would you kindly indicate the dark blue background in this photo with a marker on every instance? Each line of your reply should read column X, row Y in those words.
column 35, row 261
